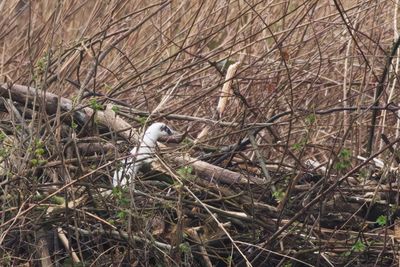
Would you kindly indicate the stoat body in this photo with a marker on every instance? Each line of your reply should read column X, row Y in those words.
column 143, row 154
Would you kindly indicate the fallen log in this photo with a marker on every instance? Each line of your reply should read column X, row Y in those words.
column 211, row 172
column 108, row 118
column 82, row 114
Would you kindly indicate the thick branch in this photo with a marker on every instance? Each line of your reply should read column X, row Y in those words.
column 109, row 119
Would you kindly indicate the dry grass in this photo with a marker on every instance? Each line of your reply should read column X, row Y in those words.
column 307, row 69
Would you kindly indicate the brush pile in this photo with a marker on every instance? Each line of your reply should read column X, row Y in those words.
column 287, row 152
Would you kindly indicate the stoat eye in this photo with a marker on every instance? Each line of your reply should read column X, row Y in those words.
column 165, row 129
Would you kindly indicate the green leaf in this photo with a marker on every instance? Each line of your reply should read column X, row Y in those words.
column 57, row 200
column 38, row 143
column 310, row 119
column 345, row 154
column 298, row 146
column 42, row 162
column 344, row 158
column 381, row 220
column 142, row 120
column 115, row 109
column 117, row 192
column 41, row 64
column 184, row 247
column 358, row 246
column 340, row 166
column 2, row 136
column 123, row 201
column 74, row 125
column 3, row 152
column 279, row 195
column 121, row 214
column 39, row 152
column 186, row 141
column 185, row 172
column 95, row 105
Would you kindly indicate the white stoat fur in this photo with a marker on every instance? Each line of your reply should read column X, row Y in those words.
column 141, row 154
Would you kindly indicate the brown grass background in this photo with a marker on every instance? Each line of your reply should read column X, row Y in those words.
column 299, row 57
column 295, row 55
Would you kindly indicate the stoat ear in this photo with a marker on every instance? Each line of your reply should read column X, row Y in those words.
column 165, row 129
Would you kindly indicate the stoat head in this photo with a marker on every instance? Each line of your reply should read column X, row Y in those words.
column 158, row 130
